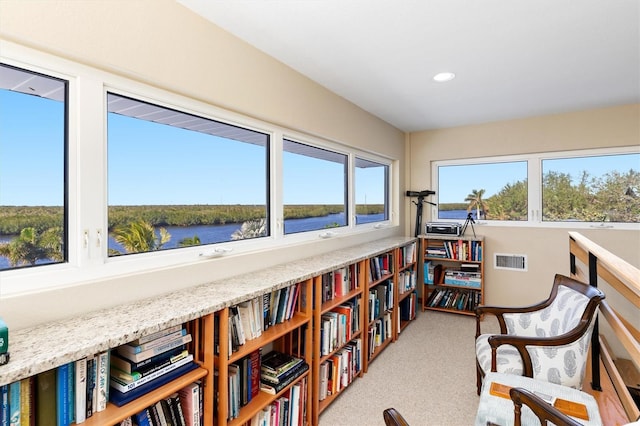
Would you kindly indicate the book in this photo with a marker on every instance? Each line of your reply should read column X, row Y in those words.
column 46, row 397
column 120, row 398
column 128, row 366
column 4, row 405
column 275, row 388
column 146, row 369
column 190, row 403
column 275, row 363
column 80, row 390
column 156, row 335
column 136, row 349
column 102, row 381
column 27, row 395
column 91, row 385
column 62, row 406
column 14, row 404
column 162, row 419
column 154, row 351
column 142, row 418
column 126, row 387
column 176, row 409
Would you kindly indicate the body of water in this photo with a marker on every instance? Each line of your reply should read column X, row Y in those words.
column 222, row 233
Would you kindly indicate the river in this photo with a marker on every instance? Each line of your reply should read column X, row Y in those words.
column 221, row 233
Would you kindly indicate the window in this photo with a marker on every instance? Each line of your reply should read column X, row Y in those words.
column 487, row 191
column 601, row 186
column 598, row 188
column 177, row 179
column 371, row 189
column 314, row 188
column 33, row 181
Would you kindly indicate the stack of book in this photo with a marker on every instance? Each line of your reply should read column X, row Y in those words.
column 278, row 370
column 149, row 362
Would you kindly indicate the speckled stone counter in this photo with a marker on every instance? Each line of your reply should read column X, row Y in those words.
column 41, row 348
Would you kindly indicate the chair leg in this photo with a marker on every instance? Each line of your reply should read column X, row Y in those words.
column 479, row 377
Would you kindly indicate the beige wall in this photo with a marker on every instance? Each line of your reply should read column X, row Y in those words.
column 161, row 43
column 547, row 248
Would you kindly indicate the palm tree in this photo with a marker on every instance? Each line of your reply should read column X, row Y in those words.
column 30, row 246
column 140, row 237
column 251, row 229
column 475, row 201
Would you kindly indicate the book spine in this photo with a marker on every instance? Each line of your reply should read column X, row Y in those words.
column 26, row 401
column 91, row 385
column 14, row 404
column 156, row 335
column 136, row 349
column 45, row 397
column 62, row 407
column 81, row 390
column 155, row 351
column 126, row 387
column 4, row 405
column 102, row 381
column 190, row 403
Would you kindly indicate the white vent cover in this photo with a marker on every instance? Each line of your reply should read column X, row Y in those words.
column 513, row 262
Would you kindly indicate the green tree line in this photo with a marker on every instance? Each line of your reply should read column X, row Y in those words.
column 14, row 219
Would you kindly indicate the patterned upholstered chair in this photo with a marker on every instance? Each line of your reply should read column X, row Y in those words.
column 547, row 341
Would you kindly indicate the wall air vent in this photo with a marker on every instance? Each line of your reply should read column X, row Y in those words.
column 513, row 262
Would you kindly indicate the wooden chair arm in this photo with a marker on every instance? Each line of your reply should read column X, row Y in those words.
column 393, row 418
column 544, row 411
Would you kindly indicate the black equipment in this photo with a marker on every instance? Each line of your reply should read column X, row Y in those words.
column 446, row 228
column 419, row 203
column 466, row 223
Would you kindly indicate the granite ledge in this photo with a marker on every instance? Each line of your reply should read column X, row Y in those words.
column 43, row 347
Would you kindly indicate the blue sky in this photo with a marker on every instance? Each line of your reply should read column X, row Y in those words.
column 150, row 163
column 456, row 182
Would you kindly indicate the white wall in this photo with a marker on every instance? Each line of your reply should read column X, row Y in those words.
column 163, row 44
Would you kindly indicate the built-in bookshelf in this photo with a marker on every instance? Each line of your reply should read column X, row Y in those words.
column 222, row 348
column 281, row 320
column 453, row 273
column 407, row 277
column 338, row 337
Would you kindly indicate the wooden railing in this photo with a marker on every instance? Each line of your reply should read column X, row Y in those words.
column 595, row 265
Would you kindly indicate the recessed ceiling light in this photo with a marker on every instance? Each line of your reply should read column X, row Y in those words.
column 444, row 76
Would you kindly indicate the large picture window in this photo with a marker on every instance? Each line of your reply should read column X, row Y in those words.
column 372, row 191
column 487, row 191
column 314, row 188
column 178, row 180
column 597, row 188
column 33, row 184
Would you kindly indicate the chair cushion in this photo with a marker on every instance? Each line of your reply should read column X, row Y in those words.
column 507, row 361
column 562, row 315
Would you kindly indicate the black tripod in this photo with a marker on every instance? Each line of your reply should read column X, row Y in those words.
column 419, row 204
column 466, row 223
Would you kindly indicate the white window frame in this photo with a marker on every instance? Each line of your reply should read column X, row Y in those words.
column 87, row 179
column 534, row 190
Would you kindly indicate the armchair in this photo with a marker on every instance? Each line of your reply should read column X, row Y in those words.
column 393, row 418
column 548, row 341
column 544, row 412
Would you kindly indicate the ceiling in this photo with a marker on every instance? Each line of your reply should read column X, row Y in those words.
column 512, row 58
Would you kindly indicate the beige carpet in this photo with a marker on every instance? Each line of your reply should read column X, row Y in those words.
column 428, row 375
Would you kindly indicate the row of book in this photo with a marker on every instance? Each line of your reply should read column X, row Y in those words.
column 339, row 282
column 379, row 331
column 244, row 382
column 459, row 299
column 249, row 319
column 380, row 267
column 457, row 250
column 406, row 281
column 290, row 409
column 339, row 325
column 407, row 255
column 67, row 394
column 338, row 371
column 407, row 307
column 463, row 278
column 147, row 363
column 380, row 299
column 182, row 408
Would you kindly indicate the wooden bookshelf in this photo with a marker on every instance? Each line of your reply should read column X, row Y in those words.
column 406, row 278
column 292, row 336
column 452, row 273
column 335, row 301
